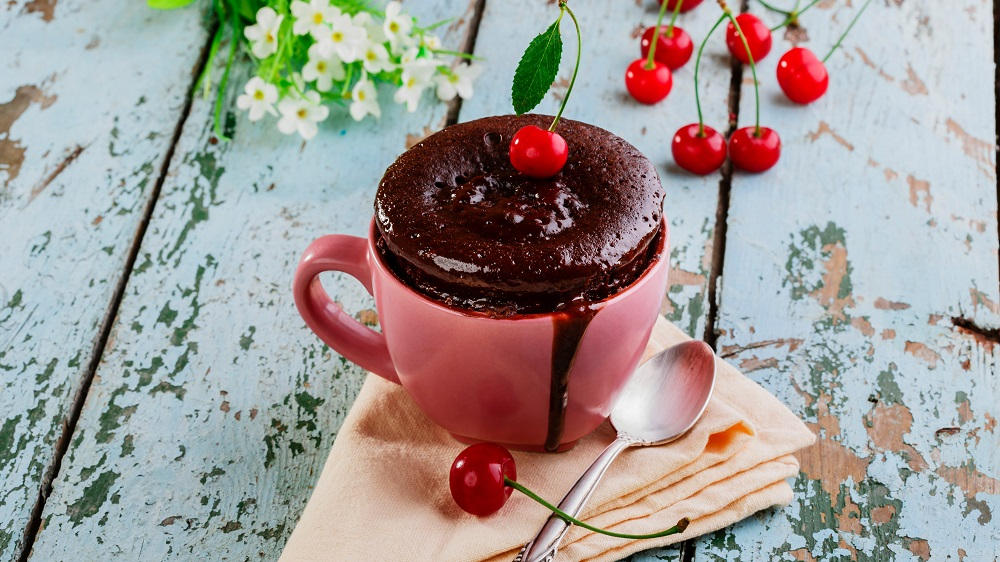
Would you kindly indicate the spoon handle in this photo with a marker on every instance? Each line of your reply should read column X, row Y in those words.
column 543, row 546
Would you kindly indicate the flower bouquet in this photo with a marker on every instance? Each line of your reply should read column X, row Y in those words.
column 310, row 54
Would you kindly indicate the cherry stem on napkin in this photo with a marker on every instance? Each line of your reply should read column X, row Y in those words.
column 678, row 528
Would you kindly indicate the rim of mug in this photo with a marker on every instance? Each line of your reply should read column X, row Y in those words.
column 659, row 259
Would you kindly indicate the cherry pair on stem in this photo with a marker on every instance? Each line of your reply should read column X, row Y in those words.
column 649, row 79
column 701, row 149
column 484, row 476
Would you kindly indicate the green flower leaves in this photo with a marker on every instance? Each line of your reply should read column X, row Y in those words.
column 537, row 70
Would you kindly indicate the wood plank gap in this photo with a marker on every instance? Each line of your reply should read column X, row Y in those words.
column 711, row 337
column 468, row 47
column 70, row 421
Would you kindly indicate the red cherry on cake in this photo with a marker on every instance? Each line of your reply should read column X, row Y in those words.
column 758, row 37
column 754, row 151
column 672, row 49
column 686, row 5
column 538, row 153
column 802, row 76
column 648, row 85
column 697, row 153
column 477, row 478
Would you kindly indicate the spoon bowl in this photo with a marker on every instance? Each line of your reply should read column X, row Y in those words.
column 666, row 395
column 662, row 400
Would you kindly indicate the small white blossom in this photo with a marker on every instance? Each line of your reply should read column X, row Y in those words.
column 376, row 58
column 365, row 100
column 416, row 77
column 300, row 114
column 324, row 70
column 259, row 98
column 263, row 35
column 343, row 38
column 372, row 27
column 457, row 81
column 311, row 17
column 397, row 24
column 432, row 42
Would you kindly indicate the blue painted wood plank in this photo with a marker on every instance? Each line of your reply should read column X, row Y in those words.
column 88, row 108
column 214, row 407
column 852, row 272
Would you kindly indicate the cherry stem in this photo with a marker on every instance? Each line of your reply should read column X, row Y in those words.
column 579, row 48
column 678, row 528
column 793, row 16
column 773, row 8
column 753, row 69
column 673, row 18
column 650, row 65
column 848, row 30
column 697, row 65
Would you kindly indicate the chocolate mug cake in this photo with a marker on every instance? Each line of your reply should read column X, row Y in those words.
column 456, row 222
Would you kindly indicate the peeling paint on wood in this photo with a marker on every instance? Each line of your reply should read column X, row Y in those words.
column 69, row 209
column 214, row 407
column 869, row 244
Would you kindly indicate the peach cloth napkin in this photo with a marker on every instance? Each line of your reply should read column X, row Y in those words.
column 383, row 494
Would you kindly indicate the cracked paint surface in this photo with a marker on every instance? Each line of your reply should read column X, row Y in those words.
column 866, row 266
column 214, row 407
column 69, row 211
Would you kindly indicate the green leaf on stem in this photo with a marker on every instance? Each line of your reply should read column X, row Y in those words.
column 537, row 70
column 167, row 4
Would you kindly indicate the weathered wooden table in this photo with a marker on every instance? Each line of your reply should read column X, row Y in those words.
column 162, row 399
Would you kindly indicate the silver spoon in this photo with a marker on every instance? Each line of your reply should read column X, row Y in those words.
column 660, row 402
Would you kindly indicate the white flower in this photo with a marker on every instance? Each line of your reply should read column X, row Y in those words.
column 376, row 58
column 343, row 38
column 397, row 24
column 263, row 35
column 311, row 17
column 259, row 98
column 432, row 42
column 365, row 100
column 457, row 81
column 300, row 114
column 416, row 77
column 374, row 28
column 324, row 70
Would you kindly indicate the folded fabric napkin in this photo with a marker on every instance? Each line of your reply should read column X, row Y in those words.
column 383, row 494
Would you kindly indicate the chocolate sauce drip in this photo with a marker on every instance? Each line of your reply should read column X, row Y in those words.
column 569, row 327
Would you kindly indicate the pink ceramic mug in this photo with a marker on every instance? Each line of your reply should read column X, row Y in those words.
column 481, row 378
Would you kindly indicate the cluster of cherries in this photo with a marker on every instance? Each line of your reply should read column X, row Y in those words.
column 698, row 148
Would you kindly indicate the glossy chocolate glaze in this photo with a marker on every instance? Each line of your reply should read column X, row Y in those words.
column 458, row 223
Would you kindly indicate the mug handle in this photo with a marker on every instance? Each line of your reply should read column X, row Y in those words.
column 355, row 341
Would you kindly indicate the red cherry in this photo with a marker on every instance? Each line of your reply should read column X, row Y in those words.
column 699, row 154
column 672, row 50
column 648, row 85
column 802, row 76
column 538, row 153
column 754, row 152
column 686, row 5
column 758, row 38
column 477, row 478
